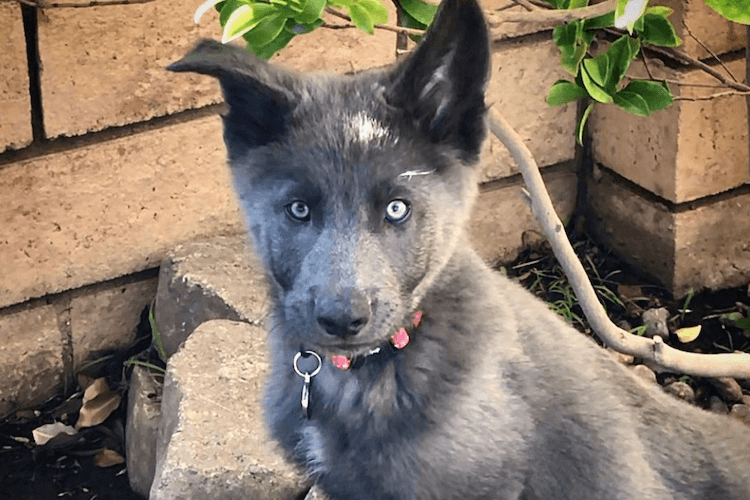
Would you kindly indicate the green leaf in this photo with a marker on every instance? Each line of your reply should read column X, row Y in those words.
column 296, row 28
column 563, row 92
column 598, row 69
column 657, row 30
column 407, row 21
column 628, row 12
column 311, row 11
column 632, row 103
column 656, row 94
column 603, row 21
column 557, row 4
column 227, row 8
column 594, row 89
column 268, row 50
column 377, row 10
column 582, row 123
column 203, row 8
column 247, row 17
column 660, row 10
column 620, row 54
column 266, row 30
column 577, row 4
column 573, row 44
column 422, row 11
column 361, row 18
column 734, row 10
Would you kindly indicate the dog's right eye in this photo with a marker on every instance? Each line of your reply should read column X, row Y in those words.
column 298, row 210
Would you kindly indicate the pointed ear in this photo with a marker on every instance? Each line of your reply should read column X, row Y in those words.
column 259, row 96
column 441, row 86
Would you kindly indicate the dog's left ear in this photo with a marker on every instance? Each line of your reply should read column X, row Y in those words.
column 441, row 86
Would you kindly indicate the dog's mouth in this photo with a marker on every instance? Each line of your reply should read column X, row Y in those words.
column 342, row 356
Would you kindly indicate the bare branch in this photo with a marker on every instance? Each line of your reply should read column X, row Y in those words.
column 526, row 5
column 712, row 96
column 690, row 34
column 395, row 29
column 691, row 61
column 553, row 16
column 72, row 5
column 654, row 350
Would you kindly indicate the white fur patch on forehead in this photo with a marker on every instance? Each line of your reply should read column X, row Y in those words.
column 411, row 173
column 365, row 129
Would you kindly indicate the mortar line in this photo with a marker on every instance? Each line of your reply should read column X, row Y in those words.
column 31, row 34
column 63, row 144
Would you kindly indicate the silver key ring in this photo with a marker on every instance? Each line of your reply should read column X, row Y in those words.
column 315, row 371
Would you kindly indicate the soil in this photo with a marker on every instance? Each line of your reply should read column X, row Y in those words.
column 65, row 467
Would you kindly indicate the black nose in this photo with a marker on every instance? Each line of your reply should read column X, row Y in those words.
column 343, row 315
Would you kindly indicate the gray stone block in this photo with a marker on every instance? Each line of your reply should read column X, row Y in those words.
column 144, row 410
column 212, row 439
column 217, row 278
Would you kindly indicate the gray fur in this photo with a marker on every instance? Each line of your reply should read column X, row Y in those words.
column 495, row 396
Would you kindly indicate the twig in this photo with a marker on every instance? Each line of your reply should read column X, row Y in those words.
column 691, row 61
column 690, row 34
column 688, row 84
column 71, row 5
column 654, row 350
column 712, row 96
column 555, row 16
column 645, row 65
column 526, row 5
column 395, row 29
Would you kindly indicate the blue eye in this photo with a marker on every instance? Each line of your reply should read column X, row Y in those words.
column 397, row 211
column 298, row 210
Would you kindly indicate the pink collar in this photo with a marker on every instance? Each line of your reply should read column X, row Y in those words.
column 398, row 341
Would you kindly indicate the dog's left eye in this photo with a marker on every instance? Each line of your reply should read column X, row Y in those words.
column 397, row 211
column 298, row 211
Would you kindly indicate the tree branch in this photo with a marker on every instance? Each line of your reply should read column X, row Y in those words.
column 552, row 16
column 72, row 5
column 653, row 350
column 712, row 96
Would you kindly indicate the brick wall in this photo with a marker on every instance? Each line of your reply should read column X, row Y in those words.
column 671, row 192
column 107, row 161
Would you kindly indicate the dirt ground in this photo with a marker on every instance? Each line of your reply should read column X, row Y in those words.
column 65, row 467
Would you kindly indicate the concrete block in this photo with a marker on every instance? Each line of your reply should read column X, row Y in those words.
column 502, row 216
column 685, row 152
column 106, row 316
column 706, row 246
column 522, row 74
column 212, row 438
column 144, row 411
column 31, row 359
column 15, row 105
column 216, row 278
column 104, row 66
column 714, row 31
column 111, row 209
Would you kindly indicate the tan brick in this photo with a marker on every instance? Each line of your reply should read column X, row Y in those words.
column 522, row 74
column 105, row 316
column 103, row 211
column 340, row 50
column 502, row 216
column 687, row 151
column 30, row 355
column 105, row 65
column 715, row 32
column 706, row 247
column 15, row 106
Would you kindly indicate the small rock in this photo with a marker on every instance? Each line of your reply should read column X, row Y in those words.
column 645, row 373
column 681, row 390
column 656, row 319
column 745, row 399
column 316, row 493
column 625, row 359
column 716, row 405
column 741, row 412
column 728, row 388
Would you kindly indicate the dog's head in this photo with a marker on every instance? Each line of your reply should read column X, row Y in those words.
column 355, row 188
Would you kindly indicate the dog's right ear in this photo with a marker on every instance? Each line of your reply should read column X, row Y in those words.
column 259, row 96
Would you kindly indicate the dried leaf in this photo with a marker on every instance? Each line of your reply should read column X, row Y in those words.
column 107, row 458
column 688, row 334
column 98, row 404
column 46, row 432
